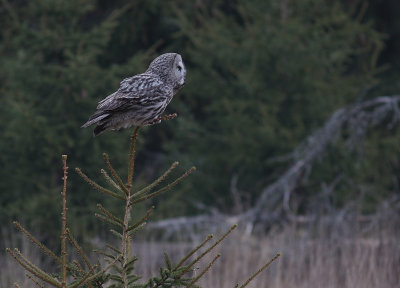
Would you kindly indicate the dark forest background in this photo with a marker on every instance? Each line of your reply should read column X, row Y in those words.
column 262, row 76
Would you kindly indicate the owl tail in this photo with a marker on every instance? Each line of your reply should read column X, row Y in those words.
column 95, row 118
column 99, row 130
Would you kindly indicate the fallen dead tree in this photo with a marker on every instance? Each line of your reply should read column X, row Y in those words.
column 273, row 203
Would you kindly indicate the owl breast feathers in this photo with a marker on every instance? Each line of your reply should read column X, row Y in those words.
column 141, row 99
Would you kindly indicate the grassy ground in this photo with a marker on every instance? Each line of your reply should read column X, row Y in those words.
column 329, row 254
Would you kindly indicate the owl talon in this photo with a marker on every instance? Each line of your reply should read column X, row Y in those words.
column 169, row 116
column 163, row 118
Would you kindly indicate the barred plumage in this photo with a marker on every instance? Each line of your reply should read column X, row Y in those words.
column 141, row 99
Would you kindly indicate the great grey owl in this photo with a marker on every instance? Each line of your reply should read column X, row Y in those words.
column 141, row 99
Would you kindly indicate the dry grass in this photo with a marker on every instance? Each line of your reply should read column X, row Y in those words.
column 326, row 255
column 324, row 260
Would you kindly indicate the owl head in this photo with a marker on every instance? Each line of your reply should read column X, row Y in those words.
column 170, row 68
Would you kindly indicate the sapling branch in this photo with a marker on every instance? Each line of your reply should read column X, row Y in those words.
column 107, row 219
column 108, row 255
column 125, row 241
column 139, row 227
column 117, row 234
column 34, row 280
column 132, row 158
column 209, row 237
column 142, row 220
column 259, row 271
column 110, row 180
column 114, row 174
column 83, row 272
column 30, row 267
column 116, row 250
column 109, row 214
column 204, row 271
column 209, row 249
column 97, row 186
column 156, row 182
column 80, row 250
column 98, row 274
column 79, row 267
column 37, row 242
column 167, row 187
column 64, row 225
column 167, row 261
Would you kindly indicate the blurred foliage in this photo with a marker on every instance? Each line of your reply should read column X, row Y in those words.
column 267, row 74
column 54, row 69
column 262, row 75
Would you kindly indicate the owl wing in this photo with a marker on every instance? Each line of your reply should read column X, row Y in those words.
column 135, row 90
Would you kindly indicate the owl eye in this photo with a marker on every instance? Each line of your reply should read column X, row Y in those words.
column 179, row 67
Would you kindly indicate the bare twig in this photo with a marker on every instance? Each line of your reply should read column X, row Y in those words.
column 132, row 158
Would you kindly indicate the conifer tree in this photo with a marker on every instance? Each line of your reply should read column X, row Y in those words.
column 120, row 268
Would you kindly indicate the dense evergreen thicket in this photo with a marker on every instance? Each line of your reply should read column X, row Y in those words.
column 262, row 75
